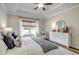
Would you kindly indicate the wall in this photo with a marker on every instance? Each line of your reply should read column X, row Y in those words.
column 41, row 25
column 13, row 22
column 71, row 17
column 3, row 17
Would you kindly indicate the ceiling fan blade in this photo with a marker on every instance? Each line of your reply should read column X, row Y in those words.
column 47, row 3
column 35, row 8
column 44, row 8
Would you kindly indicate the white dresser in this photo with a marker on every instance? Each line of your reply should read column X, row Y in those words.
column 61, row 38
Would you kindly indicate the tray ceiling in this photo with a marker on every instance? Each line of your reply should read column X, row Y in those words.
column 27, row 9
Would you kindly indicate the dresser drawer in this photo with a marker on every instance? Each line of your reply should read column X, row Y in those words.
column 61, row 38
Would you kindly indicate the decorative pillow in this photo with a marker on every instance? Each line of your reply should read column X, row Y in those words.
column 3, row 47
column 8, row 41
column 14, row 35
column 3, row 33
column 10, row 35
column 1, row 37
column 17, row 42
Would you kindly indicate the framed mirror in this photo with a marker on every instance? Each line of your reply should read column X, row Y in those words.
column 60, row 25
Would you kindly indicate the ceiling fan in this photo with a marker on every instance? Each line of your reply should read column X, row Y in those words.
column 42, row 5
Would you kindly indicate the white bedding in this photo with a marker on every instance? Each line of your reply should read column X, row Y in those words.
column 30, row 47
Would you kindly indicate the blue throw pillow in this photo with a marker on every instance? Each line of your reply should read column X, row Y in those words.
column 8, row 41
column 2, row 33
column 14, row 35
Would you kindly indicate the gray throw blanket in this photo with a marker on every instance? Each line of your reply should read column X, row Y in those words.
column 45, row 45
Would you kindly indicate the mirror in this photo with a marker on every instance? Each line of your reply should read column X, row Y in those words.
column 60, row 25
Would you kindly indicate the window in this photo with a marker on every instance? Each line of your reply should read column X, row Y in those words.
column 29, row 27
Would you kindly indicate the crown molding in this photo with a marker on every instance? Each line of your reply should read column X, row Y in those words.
column 60, row 12
column 53, row 9
column 4, row 8
column 22, row 15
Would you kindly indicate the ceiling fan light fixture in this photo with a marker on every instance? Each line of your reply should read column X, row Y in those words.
column 40, row 5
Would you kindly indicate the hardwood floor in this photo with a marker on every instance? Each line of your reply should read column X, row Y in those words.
column 75, row 50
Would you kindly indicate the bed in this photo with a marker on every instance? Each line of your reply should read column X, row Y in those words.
column 30, row 47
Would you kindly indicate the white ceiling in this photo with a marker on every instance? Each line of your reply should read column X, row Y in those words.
column 27, row 9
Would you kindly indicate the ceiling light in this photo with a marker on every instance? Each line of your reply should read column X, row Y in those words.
column 40, row 5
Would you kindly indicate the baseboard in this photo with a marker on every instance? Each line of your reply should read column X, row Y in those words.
column 66, row 46
column 71, row 48
column 74, row 48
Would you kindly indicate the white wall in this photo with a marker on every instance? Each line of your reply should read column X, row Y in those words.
column 41, row 25
column 3, row 17
column 13, row 22
column 71, row 17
